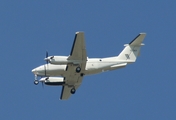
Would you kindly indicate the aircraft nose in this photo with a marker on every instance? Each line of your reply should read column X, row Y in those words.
column 34, row 70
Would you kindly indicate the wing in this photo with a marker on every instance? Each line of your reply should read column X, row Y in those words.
column 72, row 80
column 65, row 94
column 78, row 51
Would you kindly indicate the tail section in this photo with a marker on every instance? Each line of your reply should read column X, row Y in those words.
column 132, row 50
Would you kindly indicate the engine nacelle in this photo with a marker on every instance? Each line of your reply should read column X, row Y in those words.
column 54, row 81
column 59, row 60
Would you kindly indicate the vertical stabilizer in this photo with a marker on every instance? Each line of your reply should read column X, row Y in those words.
column 132, row 50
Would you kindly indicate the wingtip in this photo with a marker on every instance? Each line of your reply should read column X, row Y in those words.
column 79, row 32
column 143, row 33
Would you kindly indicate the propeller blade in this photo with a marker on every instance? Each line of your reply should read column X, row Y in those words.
column 44, row 81
column 46, row 57
column 46, row 54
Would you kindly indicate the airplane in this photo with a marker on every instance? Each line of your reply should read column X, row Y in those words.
column 68, row 71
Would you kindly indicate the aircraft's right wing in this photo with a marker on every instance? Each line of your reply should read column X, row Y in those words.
column 65, row 94
column 72, row 79
column 66, row 89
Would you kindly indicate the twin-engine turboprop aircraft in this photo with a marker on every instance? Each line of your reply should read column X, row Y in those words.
column 74, row 67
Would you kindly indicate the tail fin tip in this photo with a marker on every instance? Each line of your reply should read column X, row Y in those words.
column 138, row 40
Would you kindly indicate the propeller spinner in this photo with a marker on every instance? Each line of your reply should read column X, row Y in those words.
column 47, row 59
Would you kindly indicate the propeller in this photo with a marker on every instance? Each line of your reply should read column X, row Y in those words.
column 42, row 80
column 45, row 67
column 47, row 59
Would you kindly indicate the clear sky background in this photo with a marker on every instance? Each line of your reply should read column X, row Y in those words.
column 145, row 90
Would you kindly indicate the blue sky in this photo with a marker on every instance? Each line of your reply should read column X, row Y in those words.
column 144, row 90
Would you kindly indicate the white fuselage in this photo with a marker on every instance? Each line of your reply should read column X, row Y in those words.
column 93, row 66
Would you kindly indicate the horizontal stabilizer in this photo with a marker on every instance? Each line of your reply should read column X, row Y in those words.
column 119, row 65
